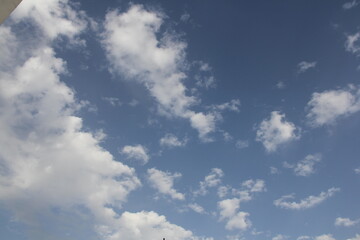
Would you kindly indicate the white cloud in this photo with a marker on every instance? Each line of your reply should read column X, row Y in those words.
column 233, row 105
column 328, row 106
column 306, row 203
column 357, row 170
column 136, row 152
column 279, row 237
column 47, row 14
column 351, row 4
column 133, row 50
column 228, row 207
column 352, row 43
column 223, row 191
column 303, row 238
column 325, row 237
column 146, row 226
column 234, row 220
column 47, row 159
column 357, row 237
column 113, row 101
column 304, row 66
column 211, row 180
column 170, row 140
column 241, row 144
column 196, row 208
column 238, row 221
column 305, row 167
column 254, row 185
column 345, row 222
column 274, row 170
column 164, row 182
column 275, row 131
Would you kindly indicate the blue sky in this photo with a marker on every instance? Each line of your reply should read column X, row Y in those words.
column 180, row 119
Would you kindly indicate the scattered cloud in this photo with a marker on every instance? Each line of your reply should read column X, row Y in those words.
column 234, row 220
column 113, row 101
column 241, row 144
column 305, row 66
column 303, row 238
column 211, row 180
column 326, row 107
column 45, row 14
column 276, row 131
column 305, row 167
column 238, row 221
column 145, row 225
column 325, row 237
column 279, row 237
column 163, row 182
column 357, row 237
column 196, row 208
column 185, row 17
column 351, row 4
column 280, row 85
column 136, row 152
column 254, row 185
column 133, row 103
column 134, row 51
column 170, row 140
column 306, row 203
column 233, row 106
column 223, row 191
column 352, row 43
column 274, row 170
column 357, row 170
column 345, row 222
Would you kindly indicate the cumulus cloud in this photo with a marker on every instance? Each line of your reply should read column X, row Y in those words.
column 304, row 66
column 136, row 152
column 147, row 226
column 345, row 222
column 52, row 170
column 48, row 161
column 170, row 140
column 234, row 219
column 163, row 182
column 47, row 14
column 305, row 167
column 306, row 203
column 328, row 106
column 357, row 170
column 276, row 131
column 134, row 50
column 211, row 180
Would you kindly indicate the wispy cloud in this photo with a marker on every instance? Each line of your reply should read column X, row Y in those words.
column 306, row 203
column 305, row 66
column 345, row 222
column 170, row 140
column 305, row 167
column 350, row 5
column 210, row 181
